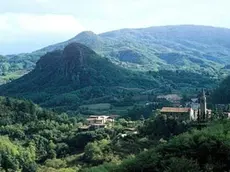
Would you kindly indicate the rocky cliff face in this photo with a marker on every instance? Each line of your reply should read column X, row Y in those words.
column 74, row 67
column 77, row 74
column 74, row 58
column 67, row 62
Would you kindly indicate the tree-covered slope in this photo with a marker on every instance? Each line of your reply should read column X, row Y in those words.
column 221, row 95
column 32, row 137
column 77, row 75
column 186, row 47
column 205, row 150
column 76, row 67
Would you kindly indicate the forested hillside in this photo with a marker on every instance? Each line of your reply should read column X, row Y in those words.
column 200, row 150
column 192, row 48
column 35, row 139
column 122, row 73
column 30, row 134
column 221, row 94
column 75, row 76
column 184, row 47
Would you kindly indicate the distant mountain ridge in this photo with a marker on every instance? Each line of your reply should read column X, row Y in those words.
column 74, row 68
column 183, row 47
column 77, row 75
column 197, row 49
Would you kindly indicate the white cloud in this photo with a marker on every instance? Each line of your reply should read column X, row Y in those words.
column 40, row 23
column 42, row 1
column 3, row 23
column 33, row 31
column 49, row 21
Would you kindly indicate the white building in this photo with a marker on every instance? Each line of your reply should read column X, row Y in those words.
column 99, row 121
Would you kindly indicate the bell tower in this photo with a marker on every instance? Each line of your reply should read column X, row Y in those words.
column 203, row 108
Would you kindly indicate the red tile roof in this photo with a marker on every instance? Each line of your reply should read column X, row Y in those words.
column 94, row 119
column 174, row 109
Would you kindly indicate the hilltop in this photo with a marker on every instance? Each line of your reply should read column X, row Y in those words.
column 186, row 47
column 74, row 68
column 77, row 75
column 200, row 49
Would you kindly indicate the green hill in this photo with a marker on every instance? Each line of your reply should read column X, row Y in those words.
column 186, row 47
column 77, row 75
column 77, row 70
column 221, row 95
column 183, row 47
column 31, row 137
column 204, row 150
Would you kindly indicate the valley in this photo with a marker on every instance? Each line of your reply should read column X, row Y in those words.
column 149, row 99
column 67, row 79
column 183, row 47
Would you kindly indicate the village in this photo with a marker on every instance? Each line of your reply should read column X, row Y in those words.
column 194, row 111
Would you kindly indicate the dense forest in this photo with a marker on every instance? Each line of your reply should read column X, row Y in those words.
column 221, row 95
column 198, row 150
column 66, row 80
column 43, row 114
column 35, row 139
column 154, row 48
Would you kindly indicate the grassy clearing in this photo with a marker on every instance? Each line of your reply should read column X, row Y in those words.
column 12, row 76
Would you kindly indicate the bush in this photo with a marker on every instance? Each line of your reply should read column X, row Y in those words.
column 55, row 163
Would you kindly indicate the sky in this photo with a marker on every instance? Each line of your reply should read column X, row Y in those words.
column 28, row 25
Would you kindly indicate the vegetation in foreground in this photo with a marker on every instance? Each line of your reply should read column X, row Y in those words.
column 34, row 139
column 198, row 150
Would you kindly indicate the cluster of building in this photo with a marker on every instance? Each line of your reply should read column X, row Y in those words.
column 196, row 112
column 98, row 121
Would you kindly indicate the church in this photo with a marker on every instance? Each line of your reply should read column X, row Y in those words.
column 201, row 114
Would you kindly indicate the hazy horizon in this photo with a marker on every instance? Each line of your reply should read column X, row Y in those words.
column 28, row 25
